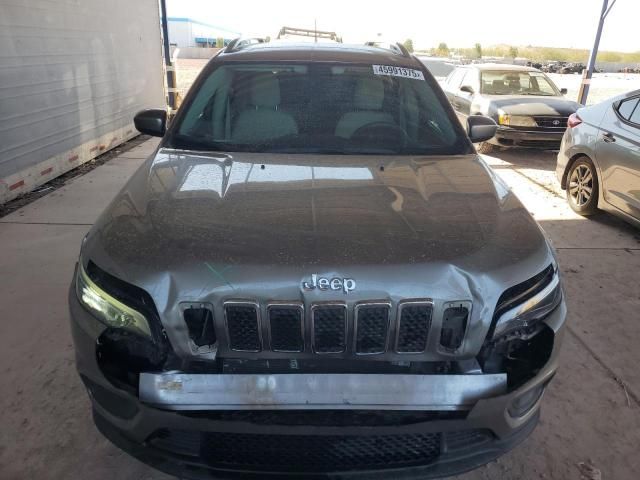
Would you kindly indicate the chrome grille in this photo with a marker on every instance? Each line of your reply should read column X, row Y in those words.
column 286, row 328
column 329, row 333
column 243, row 327
column 549, row 122
column 372, row 328
column 413, row 327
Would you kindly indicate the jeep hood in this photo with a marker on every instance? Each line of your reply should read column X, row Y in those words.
column 208, row 227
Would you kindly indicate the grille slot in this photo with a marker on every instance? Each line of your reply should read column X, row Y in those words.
column 329, row 328
column 199, row 322
column 285, row 327
column 454, row 326
column 243, row 327
column 372, row 328
column 413, row 326
column 317, row 454
column 307, row 453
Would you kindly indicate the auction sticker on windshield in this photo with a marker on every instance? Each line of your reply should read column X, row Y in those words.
column 392, row 71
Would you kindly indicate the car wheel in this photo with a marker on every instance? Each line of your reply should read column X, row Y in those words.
column 486, row 147
column 582, row 187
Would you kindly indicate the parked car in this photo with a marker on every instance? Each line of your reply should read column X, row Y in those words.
column 572, row 68
column 528, row 107
column 552, row 67
column 438, row 67
column 315, row 274
column 599, row 160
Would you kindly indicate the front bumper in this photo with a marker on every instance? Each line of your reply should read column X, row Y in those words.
column 511, row 137
column 180, row 442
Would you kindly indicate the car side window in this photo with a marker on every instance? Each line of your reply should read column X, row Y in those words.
column 627, row 109
column 635, row 116
column 456, row 78
column 471, row 79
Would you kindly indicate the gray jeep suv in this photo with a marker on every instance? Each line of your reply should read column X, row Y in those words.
column 316, row 275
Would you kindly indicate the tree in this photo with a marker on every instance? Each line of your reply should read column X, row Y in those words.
column 408, row 44
column 443, row 50
column 478, row 49
column 513, row 52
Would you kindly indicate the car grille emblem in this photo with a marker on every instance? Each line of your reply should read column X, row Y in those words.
column 336, row 284
column 556, row 123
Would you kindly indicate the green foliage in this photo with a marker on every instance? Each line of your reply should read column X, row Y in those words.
column 408, row 44
column 478, row 50
column 442, row 50
column 538, row 54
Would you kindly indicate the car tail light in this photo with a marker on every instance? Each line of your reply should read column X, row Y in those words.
column 574, row 120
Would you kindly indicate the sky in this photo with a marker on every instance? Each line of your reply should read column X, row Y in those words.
column 459, row 23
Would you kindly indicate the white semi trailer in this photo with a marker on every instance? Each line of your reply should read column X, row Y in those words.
column 73, row 73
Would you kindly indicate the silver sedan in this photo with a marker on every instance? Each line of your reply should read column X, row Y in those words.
column 599, row 159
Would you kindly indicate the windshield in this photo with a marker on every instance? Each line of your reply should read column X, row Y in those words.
column 496, row 82
column 317, row 108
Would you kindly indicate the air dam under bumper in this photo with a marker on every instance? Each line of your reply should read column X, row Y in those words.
column 402, row 456
column 510, row 137
column 178, row 391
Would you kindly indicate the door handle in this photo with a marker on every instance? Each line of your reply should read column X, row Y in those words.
column 608, row 137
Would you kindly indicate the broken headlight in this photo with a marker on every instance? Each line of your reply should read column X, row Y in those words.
column 534, row 308
column 108, row 309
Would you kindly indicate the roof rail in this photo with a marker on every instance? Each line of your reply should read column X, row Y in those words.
column 397, row 47
column 240, row 43
column 306, row 32
column 403, row 50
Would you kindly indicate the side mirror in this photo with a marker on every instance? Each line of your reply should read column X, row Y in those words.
column 564, row 91
column 467, row 88
column 152, row 122
column 480, row 128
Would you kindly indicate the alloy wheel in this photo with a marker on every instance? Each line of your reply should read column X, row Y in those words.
column 581, row 185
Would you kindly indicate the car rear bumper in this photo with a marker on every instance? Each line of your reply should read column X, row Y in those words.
column 213, row 443
column 509, row 137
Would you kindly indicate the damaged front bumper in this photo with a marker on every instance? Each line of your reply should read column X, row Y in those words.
column 316, row 425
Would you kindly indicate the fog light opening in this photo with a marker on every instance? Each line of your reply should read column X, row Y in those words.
column 525, row 402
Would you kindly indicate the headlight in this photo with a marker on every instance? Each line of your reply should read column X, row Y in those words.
column 107, row 309
column 516, row 120
column 531, row 310
column 522, row 121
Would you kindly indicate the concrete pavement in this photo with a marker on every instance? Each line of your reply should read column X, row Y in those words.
column 591, row 414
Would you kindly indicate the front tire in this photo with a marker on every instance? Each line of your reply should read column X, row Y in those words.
column 582, row 187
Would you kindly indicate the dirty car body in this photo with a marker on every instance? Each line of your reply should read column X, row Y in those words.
column 316, row 283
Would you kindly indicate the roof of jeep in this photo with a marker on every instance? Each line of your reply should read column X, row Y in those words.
column 317, row 52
